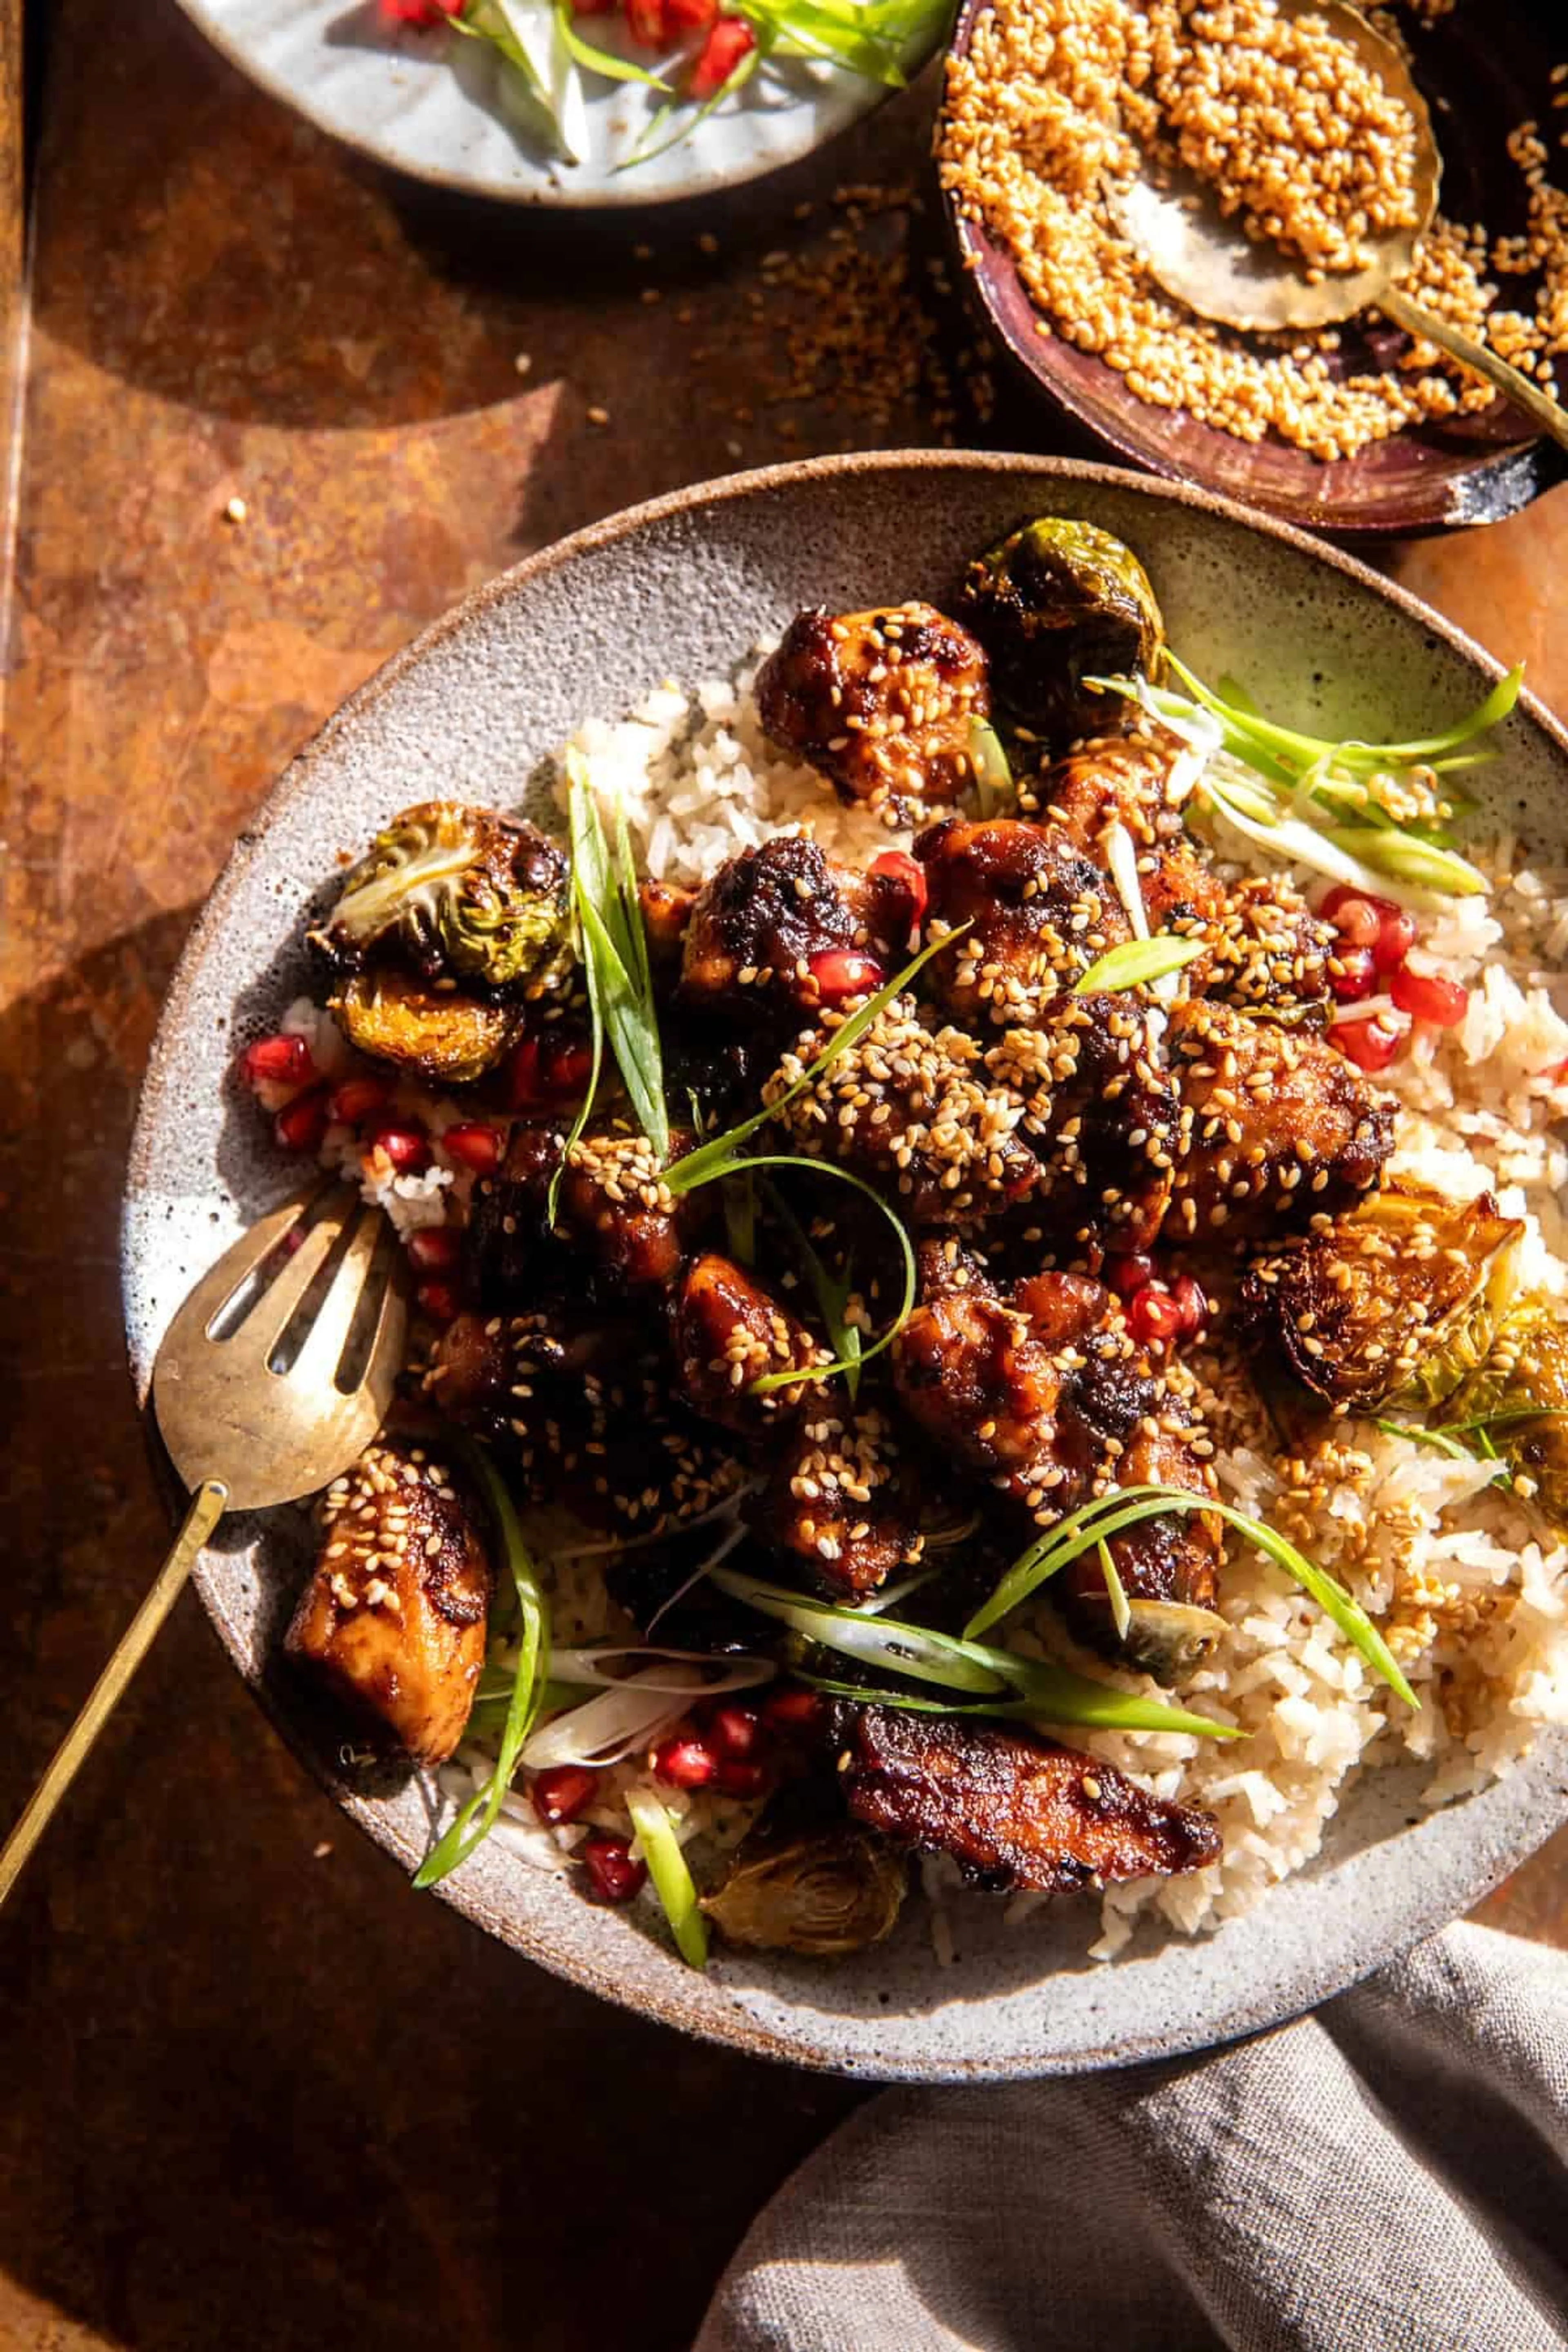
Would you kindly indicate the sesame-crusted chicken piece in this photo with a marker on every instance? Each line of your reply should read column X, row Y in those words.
column 582, row 1414
column 1269, row 953
column 844, row 1501
column 1135, row 781
column 1014, row 1811
column 1276, row 1125
column 393, row 1618
column 982, row 1375
column 881, row 703
column 780, row 930
column 613, row 1206
column 727, row 1332
column 1038, row 912
column 912, row 1109
column 1102, row 1111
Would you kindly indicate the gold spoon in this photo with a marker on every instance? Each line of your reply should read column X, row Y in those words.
column 242, row 1434
column 1212, row 266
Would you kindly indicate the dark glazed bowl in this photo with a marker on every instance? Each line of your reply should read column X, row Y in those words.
column 1484, row 70
column 682, row 588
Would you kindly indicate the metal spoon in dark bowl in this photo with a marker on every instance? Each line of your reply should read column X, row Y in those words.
column 1208, row 263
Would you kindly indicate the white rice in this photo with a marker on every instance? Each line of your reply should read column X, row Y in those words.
column 1473, row 1600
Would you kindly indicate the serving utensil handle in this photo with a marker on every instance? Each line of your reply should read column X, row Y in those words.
column 206, row 1508
column 1416, row 319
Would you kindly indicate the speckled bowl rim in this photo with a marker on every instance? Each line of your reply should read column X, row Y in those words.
column 532, row 197
column 1466, row 1875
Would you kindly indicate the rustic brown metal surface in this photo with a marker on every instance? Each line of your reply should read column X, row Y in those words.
column 256, row 2094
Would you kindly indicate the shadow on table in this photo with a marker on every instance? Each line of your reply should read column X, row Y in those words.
column 258, row 2093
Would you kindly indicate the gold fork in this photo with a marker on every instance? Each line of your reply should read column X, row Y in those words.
column 247, row 1428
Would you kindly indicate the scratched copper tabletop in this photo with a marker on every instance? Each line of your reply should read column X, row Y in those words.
column 275, row 412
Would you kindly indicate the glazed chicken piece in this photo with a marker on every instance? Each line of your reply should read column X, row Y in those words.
column 984, row 1375
column 844, row 1502
column 666, row 913
column 1276, row 1125
column 581, row 1413
column 393, row 1619
column 1038, row 912
column 613, row 1207
column 881, row 703
column 913, row 1111
column 1128, row 780
column 1103, row 1112
column 1015, row 1812
column 727, row 1332
column 1268, row 954
column 780, row 930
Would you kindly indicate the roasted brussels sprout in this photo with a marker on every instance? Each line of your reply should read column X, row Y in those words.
column 1169, row 1638
column 460, row 893
column 1056, row 603
column 821, row 1892
column 441, row 1035
column 1392, row 1303
column 1520, row 1398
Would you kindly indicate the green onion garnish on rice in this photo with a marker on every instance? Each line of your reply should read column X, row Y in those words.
column 476, row 1818
column 1128, row 1507
column 672, row 1882
column 1024, row 1687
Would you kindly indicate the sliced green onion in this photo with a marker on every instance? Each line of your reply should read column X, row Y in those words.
column 719, row 1154
column 668, row 1868
column 1136, row 963
column 477, row 1817
column 597, row 61
column 849, row 1360
column 1438, row 1439
column 1065, row 1709
column 1110, row 1515
column 1390, row 850
column 921, row 1655
column 832, row 1295
column 992, row 775
column 1121, row 1608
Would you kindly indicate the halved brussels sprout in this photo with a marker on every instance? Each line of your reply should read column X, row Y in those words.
column 1392, row 1303
column 1057, row 603
column 1169, row 1638
column 1520, row 1397
column 439, row 1034
column 462, row 893
column 821, row 1893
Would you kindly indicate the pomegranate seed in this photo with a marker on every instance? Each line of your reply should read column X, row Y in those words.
column 423, row 13
column 1357, row 921
column 735, row 1730
column 897, row 866
column 730, row 39
column 739, row 1778
column 792, row 1708
column 1370, row 1044
column 474, row 1145
column 560, row 1792
column 685, row 1762
column 1129, row 1272
column 1426, row 997
column 358, row 1099
column 612, row 1873
column 405, row 1147
column 1152, row 1314
column 1557, row 1074
column 1353, row 975
column 435, row 1249
column 277, row 1061
column 548, row 1070
column 594, row 8
column 1334, row 901
column 644, row 19
column 1190, row 1300
column 1395, row 938
column 300, row 1125
column 439, row 1301
column 689, row 15
column 842, row 972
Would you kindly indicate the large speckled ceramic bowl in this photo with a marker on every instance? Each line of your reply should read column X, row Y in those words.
column 682, row 588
